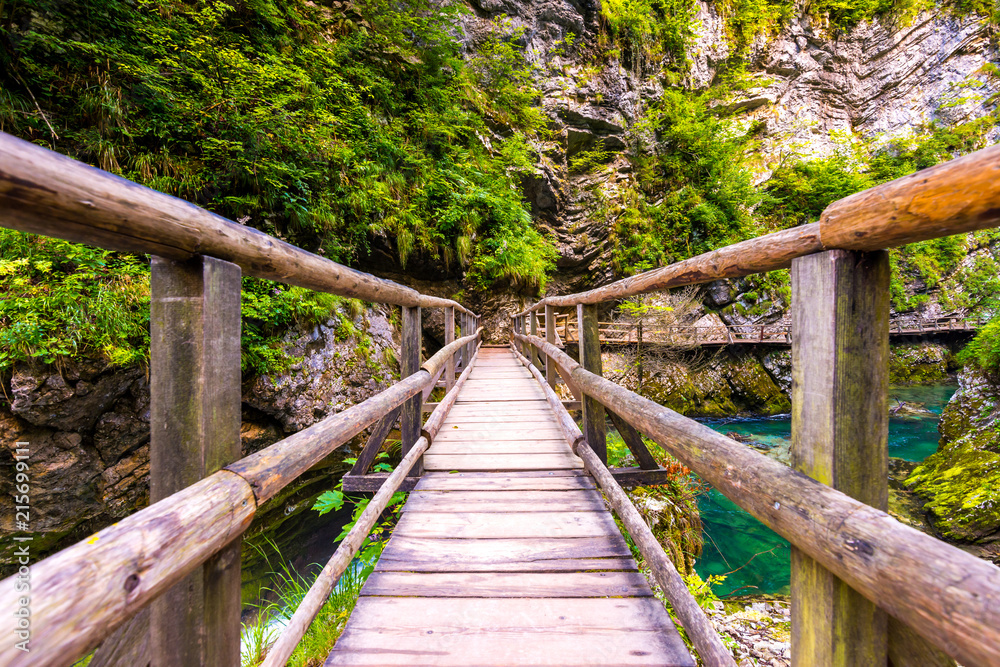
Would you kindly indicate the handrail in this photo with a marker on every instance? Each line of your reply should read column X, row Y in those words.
column 122, row 568
column 320, row 590
column 947, row 595
column 960, row 195
column 704, row 637
column 43, row 192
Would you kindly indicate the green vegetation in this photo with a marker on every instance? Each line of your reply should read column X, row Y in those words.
column 335, row 129
column 66, row 300
column 63, row 300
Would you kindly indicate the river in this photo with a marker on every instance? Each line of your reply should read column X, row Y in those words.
column 753, row 557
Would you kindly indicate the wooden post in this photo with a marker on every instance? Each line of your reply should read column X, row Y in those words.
column 533, row 356
column 590, row 359
column 638, row 354
column 409, row 363
column 195, row 431
column 840, row 348
column 550, row 337
column 449, row 336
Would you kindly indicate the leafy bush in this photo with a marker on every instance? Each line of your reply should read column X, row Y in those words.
column 335, row 130
column 983, row 351
column 65, row 300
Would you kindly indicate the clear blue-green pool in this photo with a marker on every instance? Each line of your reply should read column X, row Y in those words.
column 753, row 557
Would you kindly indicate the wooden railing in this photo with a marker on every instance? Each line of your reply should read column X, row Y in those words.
column 865, row 588
column 777, row 333
column 181, row 554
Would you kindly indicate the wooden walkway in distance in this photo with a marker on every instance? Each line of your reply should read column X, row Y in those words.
column 506, row 553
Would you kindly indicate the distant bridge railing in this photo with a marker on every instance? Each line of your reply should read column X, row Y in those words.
column 776, row 333
column 865, row 588
column 180, row 555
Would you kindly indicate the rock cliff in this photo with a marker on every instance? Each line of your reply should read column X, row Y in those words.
column 88, row 427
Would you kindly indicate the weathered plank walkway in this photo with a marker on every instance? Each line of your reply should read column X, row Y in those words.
column 505, row 553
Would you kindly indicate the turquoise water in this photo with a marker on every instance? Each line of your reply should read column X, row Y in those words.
column 753, row 557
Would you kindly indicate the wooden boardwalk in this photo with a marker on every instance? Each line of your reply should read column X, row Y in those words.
column 506, row 553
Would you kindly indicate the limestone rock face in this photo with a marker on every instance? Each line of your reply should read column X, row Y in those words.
column 961, row 481
column 879, row 79
column 329, row 374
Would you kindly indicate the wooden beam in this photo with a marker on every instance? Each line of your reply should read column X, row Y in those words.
column 957, row 196
column 633, row 440
column 374, row 443
column 840, row 348
column 590, row 358
column 195, row 431
column 409, row 363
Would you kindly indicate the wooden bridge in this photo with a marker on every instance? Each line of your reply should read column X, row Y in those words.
column 776, row 333
column 506, row 553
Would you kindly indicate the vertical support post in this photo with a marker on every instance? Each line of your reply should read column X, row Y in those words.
column 550, row 337
column 590, row 359
column 409, row 363
column 535, row 359
column 840, row 347
column 195, row 431
column 638, row 354
column 449, row 337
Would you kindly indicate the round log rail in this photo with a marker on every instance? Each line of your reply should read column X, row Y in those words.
column 119, row 570
column 704, row 637
column 81, row 594
column 43, row 192
column 960, row 195
column 320, row 590
column 272, row 468
column 948, row 596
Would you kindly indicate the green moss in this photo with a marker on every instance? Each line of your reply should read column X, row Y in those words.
column 919, row 364
column 961, row 481
column 726, row 387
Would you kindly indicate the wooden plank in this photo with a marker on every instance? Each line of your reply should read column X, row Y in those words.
column 505, row 501
column 507, row 585
column 422, row 554
column 500, row 462
column 453, row 434
column 500, row 447
column 510, row 631
column 537, row 420
column 486, row 476
column 840, row 348
column 195, row 427
column 492, row 525
column 502, row 481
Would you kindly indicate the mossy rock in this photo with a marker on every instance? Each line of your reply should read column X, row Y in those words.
column 730, row 385
column 920, row 364
column 961, row 481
